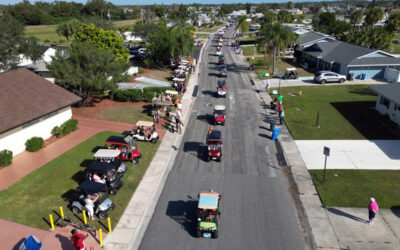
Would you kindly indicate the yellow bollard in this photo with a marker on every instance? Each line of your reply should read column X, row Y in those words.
column 101, row 237
column 62, row 212
column 51, row 222
column 84, row 216
column 109, row 224
column 300, row 92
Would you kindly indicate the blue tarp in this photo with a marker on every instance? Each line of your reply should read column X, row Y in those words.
column 32, row 243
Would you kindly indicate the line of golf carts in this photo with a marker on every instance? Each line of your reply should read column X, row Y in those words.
column 103, row 175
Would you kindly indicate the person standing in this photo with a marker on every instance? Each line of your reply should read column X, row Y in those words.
column 372, row 210
column 78, row 239
column 89, row 206
column 267, row 86
column 281, row 117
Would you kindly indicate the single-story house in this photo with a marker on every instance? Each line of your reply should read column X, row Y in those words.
column 345, row 59
column 388, row 101
column 30, row 106
column 308, row 37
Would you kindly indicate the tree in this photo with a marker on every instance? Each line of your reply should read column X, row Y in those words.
column 243, row 25
column 375, row 38
column 68, row 29
column 277, row 37
column 14, row 43
column 356, row 17
column 285, row 17
column 373, row 16
column 181, row 40
column 393, row 23
column 87, row 70
column 103, row 39
column 289, row 5
column 269, row 17
column 248, row 8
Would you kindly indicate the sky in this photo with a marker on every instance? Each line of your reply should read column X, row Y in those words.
column 144, row 2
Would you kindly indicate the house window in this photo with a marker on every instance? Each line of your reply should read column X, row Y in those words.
column 30, row 123
column 385, row 102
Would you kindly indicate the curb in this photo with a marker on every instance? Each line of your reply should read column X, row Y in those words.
column 133, row 223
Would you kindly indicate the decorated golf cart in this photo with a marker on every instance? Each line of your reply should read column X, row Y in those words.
column 214, row 145
column 291, row 73
column 111, row 156
column 106, row 173
column 208, row 212
column 127, row 148
column 219, row 114
column 223, row 70
column 144, row 131
column 221, row 88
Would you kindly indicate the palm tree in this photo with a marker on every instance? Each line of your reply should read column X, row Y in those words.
column 373, row 16
column 181, row 39
column 243, row 25
column 356, row 17
column 68, row 29
column 277, row 37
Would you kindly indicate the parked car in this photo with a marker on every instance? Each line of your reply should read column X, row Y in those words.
column 328, row 76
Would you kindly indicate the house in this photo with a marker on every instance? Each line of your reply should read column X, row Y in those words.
column 30, row 106
column 309, row 37
column 388, row 101
column 345, row 59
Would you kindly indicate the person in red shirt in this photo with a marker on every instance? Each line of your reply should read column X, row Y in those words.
column 78, row 239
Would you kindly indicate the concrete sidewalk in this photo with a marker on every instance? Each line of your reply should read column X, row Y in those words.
column 133, row 223
column 308, row 81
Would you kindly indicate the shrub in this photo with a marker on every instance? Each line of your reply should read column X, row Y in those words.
column 34, row 144
column 57, row 132
column 65, row 128
column 140, row 70
column 136, row 95
column 6, row 157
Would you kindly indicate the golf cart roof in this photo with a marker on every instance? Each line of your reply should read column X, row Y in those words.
column 214, row 136
column 290, row 69
column 100, row 167
column 208, row 200
column 219, row 107
column 91, row 186
column 223, row 66
column 220, row 82
column 106, row 153
column 171, row 92
column 117, row 140
column 176, row 79
column 144, row 123
column 160, row 103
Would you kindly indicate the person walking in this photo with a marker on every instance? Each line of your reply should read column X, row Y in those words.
column 281, row 117
column 78, row 239
column 267, row 86
column 372, row 210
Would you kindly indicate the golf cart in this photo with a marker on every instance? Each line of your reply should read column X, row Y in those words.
column 291, row 73
column 127, row 148
column 214, row 145
column 221, row 59
column 102, row 203
column 219, row 114
column 219, row 51
column 144, row 131
column 110, row 156
column 219, row 44
column 223, row 70
column 208, row 212
column 221, row 89
column 107, row 172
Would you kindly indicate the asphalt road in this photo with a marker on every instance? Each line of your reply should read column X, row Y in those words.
column 257, row 211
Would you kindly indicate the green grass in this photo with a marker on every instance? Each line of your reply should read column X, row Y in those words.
column 210, row 30
column 125, row 113
column 353, row 188
column 30, row 200
column 249, row 51
column 345, row 113
column 46, row 34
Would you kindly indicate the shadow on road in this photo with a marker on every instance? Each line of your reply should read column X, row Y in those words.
column 208, row 92
column 207, row 118
column 344, row 214
column 184, row 212
column 196, row 148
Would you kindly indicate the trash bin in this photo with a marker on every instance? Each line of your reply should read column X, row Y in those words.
column 272, row 125
column 275, row 134
column 350, row 77
column 363, row 75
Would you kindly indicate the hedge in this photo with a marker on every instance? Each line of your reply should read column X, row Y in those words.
column 65, row 128
column 136, row 95
column 6, row 157
column 34, row 144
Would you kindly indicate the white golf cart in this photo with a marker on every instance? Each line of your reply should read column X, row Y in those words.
column 144, row 131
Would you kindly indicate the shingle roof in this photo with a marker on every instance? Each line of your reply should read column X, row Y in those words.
column 376, row 61
column 321, row 49
column 25, row 96
column 390, row 91
column 310, row 37
column 345, row 53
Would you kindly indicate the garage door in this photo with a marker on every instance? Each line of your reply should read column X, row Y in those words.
column 376, row 72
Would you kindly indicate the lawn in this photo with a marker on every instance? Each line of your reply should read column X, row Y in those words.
column 125, row 113
column 353, row 188
column 30, row 200
column 346, row 112
column 210, row 30
column 124, row 22
column 46, row 34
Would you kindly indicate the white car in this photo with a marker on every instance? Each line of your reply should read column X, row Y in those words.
column 328, row 76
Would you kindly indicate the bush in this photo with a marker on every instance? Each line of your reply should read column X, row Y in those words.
column 6, row 157
column 34, row 144
column 57, row 132
column 141, row 70
column 65, row 128
column 136, row 95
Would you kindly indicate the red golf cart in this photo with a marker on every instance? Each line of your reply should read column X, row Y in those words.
column 127, row 148
column 219, row 114
column 214, row 145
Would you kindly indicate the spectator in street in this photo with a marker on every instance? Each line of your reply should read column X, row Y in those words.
column 78, row 239
column 267, row 86
column 372, row 210
column 281, row 117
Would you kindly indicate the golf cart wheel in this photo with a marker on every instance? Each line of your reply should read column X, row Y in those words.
column 75, row 210
column 341, row 80
column 135, row 160
column 215, row 234
column 112, row 207
column 219, row 159
column 198, row 234
column 112, row 190
column 154, row 140
column 102, row 215
column 323, row 81
column 223, row 123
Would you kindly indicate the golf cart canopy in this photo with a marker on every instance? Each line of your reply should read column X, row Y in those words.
column 171, row 92
column 91, row 186
column 219, row 107
column 214, row 136
column 160, row 103
column 106, row 153
column 117, row 140
column 208, row 200
column 176, row 79
column 223, row 66
column 144, row 124
column 290, row 69
column 221, row 82
column 100, row 167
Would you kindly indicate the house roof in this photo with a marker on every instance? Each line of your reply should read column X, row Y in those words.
column 345, row 53
column 390, row 91
column 321, row 49
column 25, row 96
column 311, row 36
column 376, row 61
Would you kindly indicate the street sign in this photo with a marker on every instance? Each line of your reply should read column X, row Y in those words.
column 327, row 151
